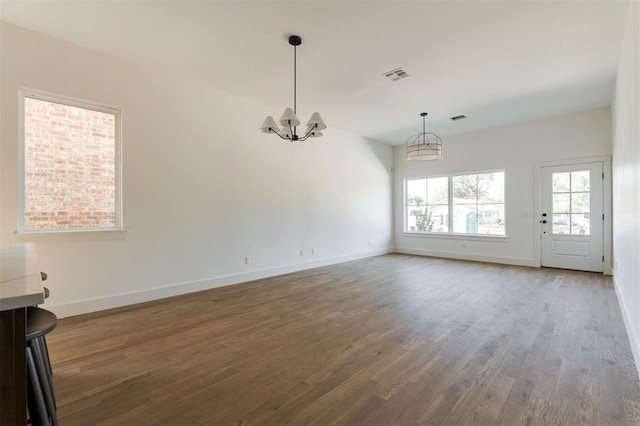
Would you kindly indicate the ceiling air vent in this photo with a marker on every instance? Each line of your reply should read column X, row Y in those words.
column 395, row 75
column 457, row 117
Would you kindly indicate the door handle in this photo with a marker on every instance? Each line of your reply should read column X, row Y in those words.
column 543, row 221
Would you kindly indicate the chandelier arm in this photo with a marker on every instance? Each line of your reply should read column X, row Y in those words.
column 308, row 135
column 279, row 135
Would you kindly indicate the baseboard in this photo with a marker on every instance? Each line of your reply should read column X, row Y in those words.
column 118, row 300
column 469, row 256
column 632, row 334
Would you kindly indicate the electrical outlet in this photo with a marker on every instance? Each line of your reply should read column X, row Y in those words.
column 301, row 252
column 313, row 251
column 247, row 260
column 369, row 243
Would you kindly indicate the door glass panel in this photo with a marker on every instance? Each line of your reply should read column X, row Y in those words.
column 561, row 182
column 580, row 224
column 571, row 203
column 580, row 202
column 561, row 203
column 561, row 223
column 580, row 181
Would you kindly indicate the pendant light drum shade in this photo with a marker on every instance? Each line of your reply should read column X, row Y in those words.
column 425, row 146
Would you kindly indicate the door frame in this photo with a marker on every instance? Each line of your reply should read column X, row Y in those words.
column 607, row 206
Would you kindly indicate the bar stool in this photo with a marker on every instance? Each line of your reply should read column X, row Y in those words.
column 40, row 394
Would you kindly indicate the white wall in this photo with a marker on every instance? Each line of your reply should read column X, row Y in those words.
column 202, row 187
column 515, row 149
column 626, row 179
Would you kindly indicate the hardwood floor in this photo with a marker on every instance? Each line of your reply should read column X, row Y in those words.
column 389, row 340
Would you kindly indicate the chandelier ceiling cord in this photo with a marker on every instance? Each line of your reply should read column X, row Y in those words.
column 289, row 121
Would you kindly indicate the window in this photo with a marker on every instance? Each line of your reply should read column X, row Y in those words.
column 571, row 203
column 461, row 204
column 70, row 166
column 428, row 205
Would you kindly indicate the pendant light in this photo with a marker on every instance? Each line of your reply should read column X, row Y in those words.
column 287, row 126
column 424, row 146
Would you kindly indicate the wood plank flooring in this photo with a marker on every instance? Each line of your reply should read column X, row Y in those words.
column 389, row 340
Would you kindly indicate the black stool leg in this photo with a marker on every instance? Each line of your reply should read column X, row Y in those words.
column 47, row 365
column 46, row 349
column 37, row 408
column 45, row 380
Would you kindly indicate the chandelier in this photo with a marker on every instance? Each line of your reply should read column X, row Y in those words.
column 289, row 121
column 424, row 146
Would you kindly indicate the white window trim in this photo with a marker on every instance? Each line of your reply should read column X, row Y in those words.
column 456, row 236
column 64, row 236
column 453, row 235
column 21, row 233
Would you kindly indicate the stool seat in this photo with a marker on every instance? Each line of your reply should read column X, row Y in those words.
column 39, row 322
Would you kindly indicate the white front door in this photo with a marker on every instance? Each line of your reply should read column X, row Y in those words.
column 572, row 216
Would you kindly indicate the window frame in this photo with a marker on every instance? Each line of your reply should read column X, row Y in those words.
column 100, row 232
column 450, row 233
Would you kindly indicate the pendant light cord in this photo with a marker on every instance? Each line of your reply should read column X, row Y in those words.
column 295, row 85
column 295, row 73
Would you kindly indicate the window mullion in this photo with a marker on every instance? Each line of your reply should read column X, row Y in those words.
column 477, row 202
column 450, row 218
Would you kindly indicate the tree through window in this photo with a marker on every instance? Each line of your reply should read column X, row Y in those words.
column 460, row 204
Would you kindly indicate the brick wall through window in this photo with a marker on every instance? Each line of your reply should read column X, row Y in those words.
column 70, row 167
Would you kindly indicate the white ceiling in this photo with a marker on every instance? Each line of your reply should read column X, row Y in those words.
column 498, row 62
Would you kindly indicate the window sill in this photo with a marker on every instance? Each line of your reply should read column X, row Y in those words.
column 65, row 236
column 492, row 238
